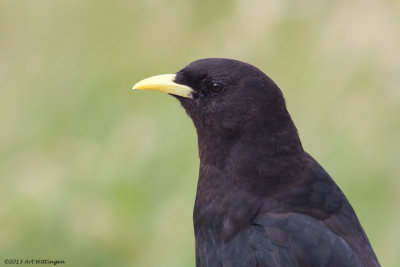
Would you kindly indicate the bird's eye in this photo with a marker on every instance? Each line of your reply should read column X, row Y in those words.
column 216, row 87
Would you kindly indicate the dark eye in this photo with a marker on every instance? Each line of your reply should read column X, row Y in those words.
column 216, row 87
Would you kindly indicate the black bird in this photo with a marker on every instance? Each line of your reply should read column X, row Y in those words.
column 261, row 199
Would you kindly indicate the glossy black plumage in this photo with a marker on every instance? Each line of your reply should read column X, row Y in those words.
column 261, row 199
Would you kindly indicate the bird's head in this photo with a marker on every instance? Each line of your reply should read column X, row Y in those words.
column 223, row 95
column 240, row 117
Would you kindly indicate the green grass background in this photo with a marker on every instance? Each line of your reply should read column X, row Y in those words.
column 98, row 175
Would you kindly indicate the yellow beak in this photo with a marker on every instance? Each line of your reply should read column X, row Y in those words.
column 164, row 83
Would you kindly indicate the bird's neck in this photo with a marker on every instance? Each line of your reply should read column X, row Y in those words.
column 259, row 158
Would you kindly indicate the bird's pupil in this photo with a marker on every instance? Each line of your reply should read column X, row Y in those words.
column 217, row 87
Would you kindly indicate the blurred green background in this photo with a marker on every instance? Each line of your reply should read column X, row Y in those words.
column 98, row 175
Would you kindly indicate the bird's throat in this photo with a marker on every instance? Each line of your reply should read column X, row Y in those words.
column 259, row 160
